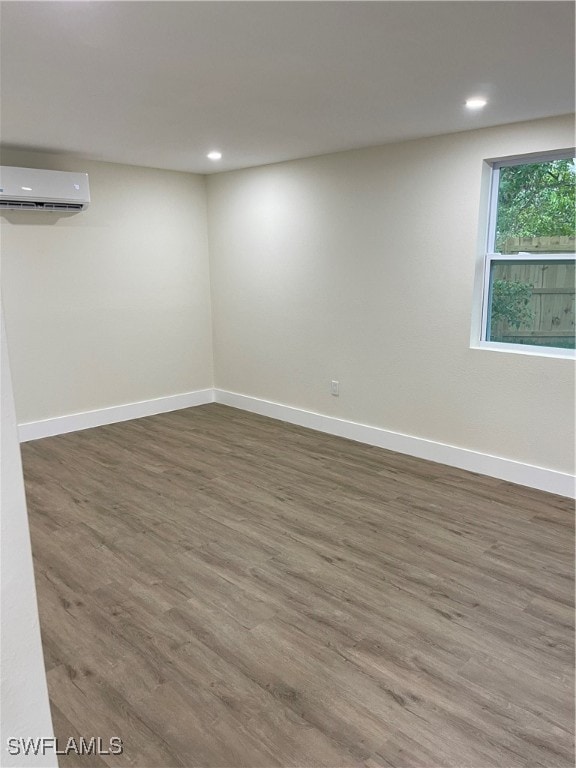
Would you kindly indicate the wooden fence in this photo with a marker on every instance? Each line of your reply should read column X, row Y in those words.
column 552, row 304
column 553, row 244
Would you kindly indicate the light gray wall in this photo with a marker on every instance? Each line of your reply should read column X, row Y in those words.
column 359, row 266
column 111, row 305
column 23, row 691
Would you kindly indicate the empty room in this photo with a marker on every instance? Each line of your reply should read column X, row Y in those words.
column 288, row 384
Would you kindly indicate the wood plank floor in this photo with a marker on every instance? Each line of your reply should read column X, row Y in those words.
column 226, row 591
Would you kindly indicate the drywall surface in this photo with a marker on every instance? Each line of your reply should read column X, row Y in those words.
column 111, row 305
column 359, row 266
column 25, row 712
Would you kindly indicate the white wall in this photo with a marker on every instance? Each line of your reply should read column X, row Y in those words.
column 359, row 266
column 112, row 305
column 24, row 695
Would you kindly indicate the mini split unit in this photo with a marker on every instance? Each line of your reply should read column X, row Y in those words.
column 28, row 189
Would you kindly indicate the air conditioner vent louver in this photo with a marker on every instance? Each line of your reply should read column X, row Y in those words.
column 29, row 206
column 61, row 206
column 17, row 204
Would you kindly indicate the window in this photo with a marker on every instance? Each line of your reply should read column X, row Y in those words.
column 529, row 278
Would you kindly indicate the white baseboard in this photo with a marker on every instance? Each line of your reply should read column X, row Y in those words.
column 34, row 430
column 462, row 458
column 484, row 464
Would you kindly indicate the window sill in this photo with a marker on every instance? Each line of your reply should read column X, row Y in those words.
column 525, row 349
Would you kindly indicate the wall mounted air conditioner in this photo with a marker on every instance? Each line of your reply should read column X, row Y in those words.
column 28, row 189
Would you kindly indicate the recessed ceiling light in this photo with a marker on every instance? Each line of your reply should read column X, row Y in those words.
column 476, row 103
column 214, row 155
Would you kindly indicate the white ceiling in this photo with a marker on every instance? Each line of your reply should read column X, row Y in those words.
column 161, row 83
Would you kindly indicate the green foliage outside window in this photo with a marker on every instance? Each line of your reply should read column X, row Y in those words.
column 536, row 200
column 511, row 303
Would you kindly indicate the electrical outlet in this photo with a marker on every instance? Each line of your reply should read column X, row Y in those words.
column 335, row 388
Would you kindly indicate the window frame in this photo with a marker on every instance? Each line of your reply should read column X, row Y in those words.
column 490, row 255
